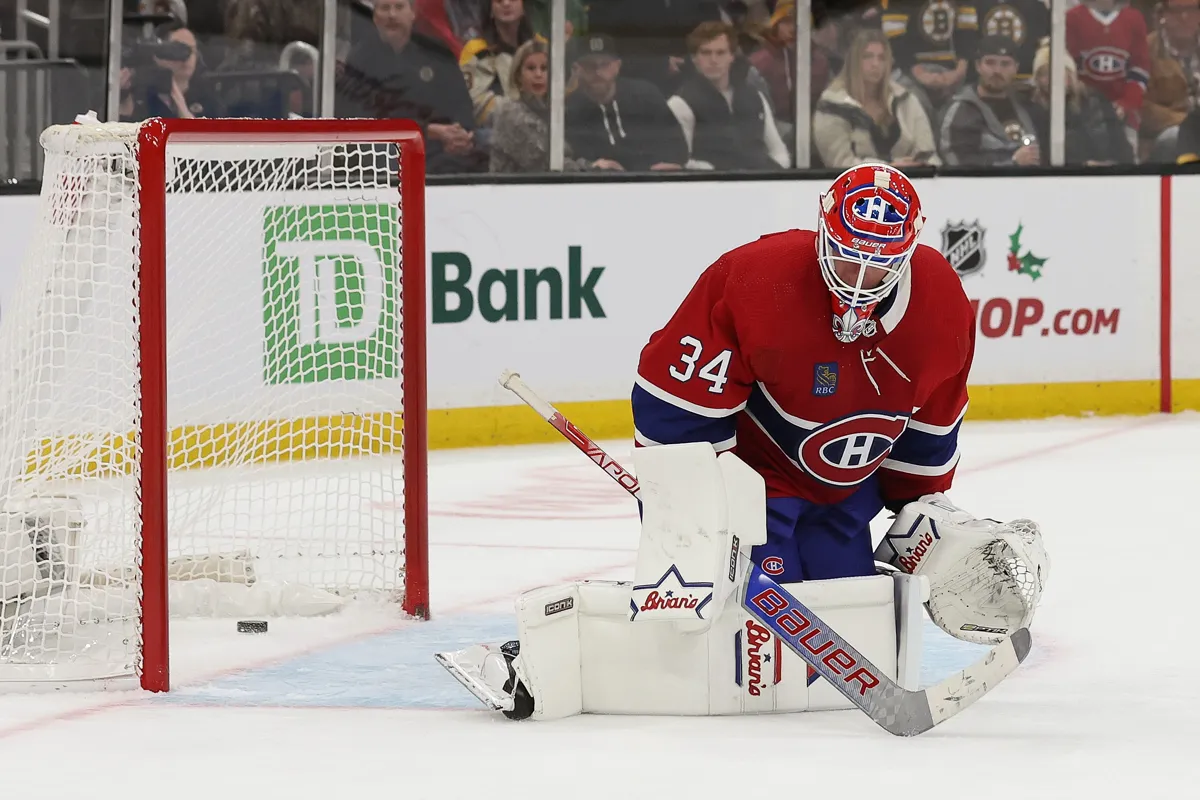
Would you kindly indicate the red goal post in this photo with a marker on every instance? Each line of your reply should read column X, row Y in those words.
column 130, row 214
column 153, row 140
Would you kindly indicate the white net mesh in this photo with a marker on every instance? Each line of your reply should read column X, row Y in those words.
column 284, row 393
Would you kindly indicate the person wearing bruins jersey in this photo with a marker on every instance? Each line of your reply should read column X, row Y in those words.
column 923, row 37
column 1026, row 22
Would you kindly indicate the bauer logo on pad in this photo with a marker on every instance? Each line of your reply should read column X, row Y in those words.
column 825, row 379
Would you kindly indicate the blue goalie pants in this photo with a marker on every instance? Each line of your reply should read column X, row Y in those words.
column 806, row 541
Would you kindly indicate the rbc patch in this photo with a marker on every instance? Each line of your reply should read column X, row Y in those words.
column 825, row 379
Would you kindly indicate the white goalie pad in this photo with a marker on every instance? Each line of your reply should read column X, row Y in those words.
column 675, row 640
column 580, row 653
column 986, row 577
column 700, row 511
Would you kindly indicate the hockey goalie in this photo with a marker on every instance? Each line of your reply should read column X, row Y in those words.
column 809, row 381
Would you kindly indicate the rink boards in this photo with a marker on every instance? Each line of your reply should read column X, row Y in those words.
column 1086, row 289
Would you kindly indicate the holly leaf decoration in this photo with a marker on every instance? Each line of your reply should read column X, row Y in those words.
column 1031, row 265
column 1014, row 241
column 1026, row 263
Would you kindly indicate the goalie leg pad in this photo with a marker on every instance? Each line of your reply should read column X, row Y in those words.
column 699, row 513
column 579, row 652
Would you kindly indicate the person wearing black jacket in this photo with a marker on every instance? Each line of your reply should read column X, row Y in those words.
column 398, row 73
column 615, row 122
column 728, row 124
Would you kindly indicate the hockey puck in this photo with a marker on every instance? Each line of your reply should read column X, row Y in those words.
column 252, row 626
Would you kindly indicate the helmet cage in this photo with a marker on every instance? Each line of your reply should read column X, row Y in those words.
column 854, row 294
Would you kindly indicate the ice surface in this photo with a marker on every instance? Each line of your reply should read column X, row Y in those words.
column 354, row 705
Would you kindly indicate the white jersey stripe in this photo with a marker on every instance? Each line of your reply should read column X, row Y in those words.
column 684, row 405
column 937, row 430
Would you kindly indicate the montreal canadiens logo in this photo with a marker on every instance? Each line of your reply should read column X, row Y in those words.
column 772, row 565
column 1106, row 63
column 875, row 212
column 848, row 451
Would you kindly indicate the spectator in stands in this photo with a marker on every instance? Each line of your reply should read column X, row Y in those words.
column 1174, row 86
column 727, row 123
column 651, row 34
column 487, row 60
column 924, row 40
column 165, row 89
column 400, row 73
column 618, row 122
column 1026, row 22
column 254, row 36
column 521, row 127
column 775, row 60
column 986, row 124
column 1095, row 135
column 864, row 115
column 1108, row 41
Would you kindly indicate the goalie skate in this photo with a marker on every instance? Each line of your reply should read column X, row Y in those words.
column 486, row 671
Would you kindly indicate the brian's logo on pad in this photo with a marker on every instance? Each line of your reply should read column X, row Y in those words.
column 909, row 549
column 670, row 597
column 825, row 379
column 762, row 655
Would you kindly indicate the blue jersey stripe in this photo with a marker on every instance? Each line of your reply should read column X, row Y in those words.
column 663, row 423
column 926, row 449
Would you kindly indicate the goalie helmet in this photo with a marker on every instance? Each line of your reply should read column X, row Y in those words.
column 867, row 229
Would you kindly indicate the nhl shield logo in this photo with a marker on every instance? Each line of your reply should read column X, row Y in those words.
column 962, row 245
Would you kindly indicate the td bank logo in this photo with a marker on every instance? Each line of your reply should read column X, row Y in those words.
column 508, row 295
column 330, row 296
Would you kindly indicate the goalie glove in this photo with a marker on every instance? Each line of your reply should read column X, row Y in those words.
column 985, row 577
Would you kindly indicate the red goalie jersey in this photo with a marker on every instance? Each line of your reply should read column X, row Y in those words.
column 749, row 361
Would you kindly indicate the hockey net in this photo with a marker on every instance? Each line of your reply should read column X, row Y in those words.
column 277, row 467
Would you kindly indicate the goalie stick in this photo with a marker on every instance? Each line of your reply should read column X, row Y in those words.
column 897, row 710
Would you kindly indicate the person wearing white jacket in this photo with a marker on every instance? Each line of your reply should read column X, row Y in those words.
column 864, row 115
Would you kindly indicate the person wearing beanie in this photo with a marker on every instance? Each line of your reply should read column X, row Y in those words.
column 986, row 123
column 1026, row 22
